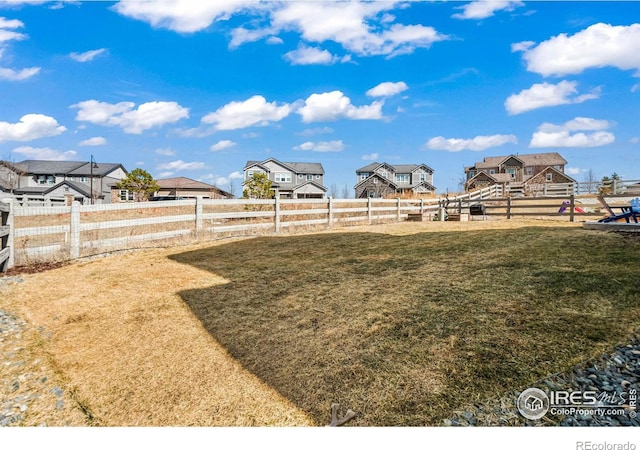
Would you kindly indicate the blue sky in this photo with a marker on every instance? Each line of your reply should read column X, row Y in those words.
column 196, row 89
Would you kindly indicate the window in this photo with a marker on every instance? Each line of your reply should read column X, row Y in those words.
column 126, row 195
column 549, row 177
column 471, row 174
column 403, row 178
column 492, row 171
column 283, row 177
column 363, row 176
column 511, row 171
column 250, row 174
column 423, row 177
column 46, row 179
column 300, row 176
column 309, row 177
column 385, row 174
column 528, row 170
column 375, row 181
column 318, row 177
column 84, row 179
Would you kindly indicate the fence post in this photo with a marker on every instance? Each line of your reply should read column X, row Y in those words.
column 572, row 205
column 421, row 206
column 74, row 231
column 508, row 207
column 8, row 240
column 369, row 211
column 398, row 215
column 615, row 186
column 330, row 208
column 199, row 199
column 277, row 214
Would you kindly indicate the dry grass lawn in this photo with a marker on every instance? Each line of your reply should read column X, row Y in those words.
column 402, row 323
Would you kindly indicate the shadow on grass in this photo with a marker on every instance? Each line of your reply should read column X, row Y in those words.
column 406, row 329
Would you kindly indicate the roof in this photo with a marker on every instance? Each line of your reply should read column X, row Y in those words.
column 398, row 168
column 188, row 183
column 75, row 168
column 297, row 167
column 533, row 159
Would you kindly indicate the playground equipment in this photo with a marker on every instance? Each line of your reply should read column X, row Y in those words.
column 566, row 203
column 627, row 213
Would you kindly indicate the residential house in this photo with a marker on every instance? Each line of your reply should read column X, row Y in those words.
column 526, row 172
column 39, row 182
column 187, row 188
column 378, row 180
column 290, row 179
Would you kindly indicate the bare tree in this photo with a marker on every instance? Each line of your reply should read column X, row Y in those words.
column 232, row 187
column 590, row 180
column 346, row 192
column 333, row 190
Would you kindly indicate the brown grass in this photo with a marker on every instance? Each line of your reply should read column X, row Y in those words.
column 403, row 323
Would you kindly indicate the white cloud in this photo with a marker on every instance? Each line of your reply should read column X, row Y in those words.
column 18, row 75
column 370, row 157
column 252, row 112
column 599, row 45
column 361, row 27
column 322, row 146
column 184, row 16
column 133, row 121
column 335, row 105
column 222, row 145
column 573, row 171
column 577, row 124
column 305, row 55
column 478, row 143
column 165, row 174
column 181, row 165
column 315, row 131
column 546, row 94
column 30, row 127
column 485, row 8
column 165, row 152
column 358, row 26
column 7, row 34
column 219, row 180
column 92, row 142
column 387, row 89
column 87, row 56
column 550, row 135
column 45, row 153
column 10, row 24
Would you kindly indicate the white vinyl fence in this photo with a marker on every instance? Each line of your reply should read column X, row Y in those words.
column 68, row 232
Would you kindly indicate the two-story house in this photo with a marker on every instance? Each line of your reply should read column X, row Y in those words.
column 59, row 182
column 526, row 171
column 290, row 179
column 378, row 180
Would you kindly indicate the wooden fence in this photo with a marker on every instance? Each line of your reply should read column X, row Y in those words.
column 6, row 235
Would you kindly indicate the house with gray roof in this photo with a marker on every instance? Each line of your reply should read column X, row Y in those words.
column 184, row 187
column 379, row 180
column 290, row 179
column 527, row 172
column 39, row 182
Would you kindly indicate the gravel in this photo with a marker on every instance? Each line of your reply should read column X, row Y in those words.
column 29, row 396
column 614, row 378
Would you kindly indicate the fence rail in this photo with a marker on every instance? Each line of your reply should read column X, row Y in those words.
column 6, row 235
column 69, row 232
column 38, row 234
